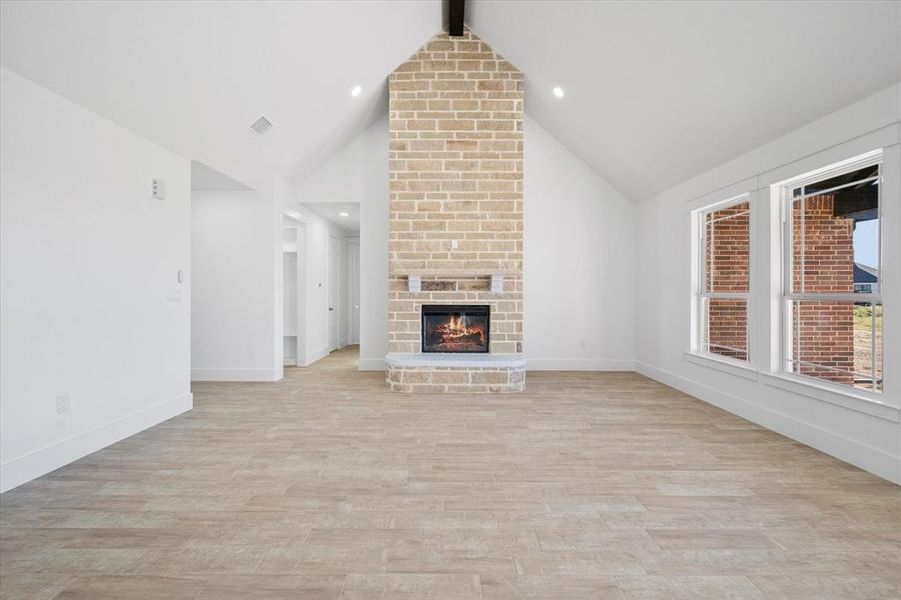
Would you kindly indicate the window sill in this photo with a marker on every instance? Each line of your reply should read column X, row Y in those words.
column 856, row 400
column 733, row 367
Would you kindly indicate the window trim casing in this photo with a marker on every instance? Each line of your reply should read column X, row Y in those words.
column 766, row 249
column 699, row 277
column 781, row 194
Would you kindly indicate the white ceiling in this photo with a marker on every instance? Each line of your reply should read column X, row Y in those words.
column 192, row 76
column 655, row 92
column 207, row 179
column 331, row 211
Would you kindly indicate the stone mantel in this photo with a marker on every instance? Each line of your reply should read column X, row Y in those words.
column 452, row 273
column 441, row 359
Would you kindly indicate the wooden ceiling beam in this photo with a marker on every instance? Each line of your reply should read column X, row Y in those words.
column 455, row 10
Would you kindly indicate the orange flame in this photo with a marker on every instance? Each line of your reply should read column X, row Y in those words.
column 456, row 327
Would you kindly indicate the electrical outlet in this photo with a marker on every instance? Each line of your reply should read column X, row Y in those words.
column 62, row 404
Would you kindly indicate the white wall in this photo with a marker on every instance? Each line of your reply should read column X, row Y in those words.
column 238, row 283
column 88, row 262
column 864, row 434
column 579, row 271
column 359, row 173
column 237, row 304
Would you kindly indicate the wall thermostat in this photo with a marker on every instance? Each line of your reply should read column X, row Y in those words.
column 159, row 189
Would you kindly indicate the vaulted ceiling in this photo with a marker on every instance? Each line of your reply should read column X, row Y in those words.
column 192, row 76
column 656, row 92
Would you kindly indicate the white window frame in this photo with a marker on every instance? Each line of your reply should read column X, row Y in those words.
column 701, row 293
column 788, row 296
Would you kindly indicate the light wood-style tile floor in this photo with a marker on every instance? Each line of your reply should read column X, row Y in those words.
column 589, row 485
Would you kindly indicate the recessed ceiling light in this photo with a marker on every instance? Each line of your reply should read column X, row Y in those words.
column 558, row 91
column 355, row 91
column 344, row 214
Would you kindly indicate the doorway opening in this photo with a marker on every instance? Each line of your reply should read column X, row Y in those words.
column 293, row 291
column 333, row 304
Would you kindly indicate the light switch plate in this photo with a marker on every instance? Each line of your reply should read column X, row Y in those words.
column 159, row 189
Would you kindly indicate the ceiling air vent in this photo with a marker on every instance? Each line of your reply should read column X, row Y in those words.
column 261, row 125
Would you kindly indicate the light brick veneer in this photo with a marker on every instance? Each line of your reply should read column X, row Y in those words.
column 456, row 148
column 826, row 329
column 455, row 379
column 728, row 245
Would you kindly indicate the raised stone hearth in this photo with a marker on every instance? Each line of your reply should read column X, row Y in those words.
column 455, row 211
column 462, row 373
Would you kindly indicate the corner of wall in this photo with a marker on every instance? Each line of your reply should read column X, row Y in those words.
column 22, row 469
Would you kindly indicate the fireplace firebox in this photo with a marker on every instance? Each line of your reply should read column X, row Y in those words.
column 455, row 327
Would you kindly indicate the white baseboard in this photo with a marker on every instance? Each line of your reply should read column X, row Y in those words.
column 579, row 364
column 371, row 364
column 23, row 469
column 317, row 355
column 851, row 451
column 214, row 374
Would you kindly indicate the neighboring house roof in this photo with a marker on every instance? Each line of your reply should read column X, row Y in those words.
column 865, row 274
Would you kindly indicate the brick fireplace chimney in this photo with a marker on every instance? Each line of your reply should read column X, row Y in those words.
column 456, row 188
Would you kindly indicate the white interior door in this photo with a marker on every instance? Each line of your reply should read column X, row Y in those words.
column 334, row 293
column 353, row 286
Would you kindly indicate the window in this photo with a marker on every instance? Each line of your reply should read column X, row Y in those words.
column 832, row 325
column 724, row 279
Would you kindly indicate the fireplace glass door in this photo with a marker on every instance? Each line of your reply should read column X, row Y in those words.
column 455, row 328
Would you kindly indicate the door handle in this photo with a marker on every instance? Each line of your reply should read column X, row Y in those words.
column 330, row 309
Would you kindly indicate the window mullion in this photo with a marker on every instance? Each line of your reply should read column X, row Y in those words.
column 836, row 297
column 726, row 295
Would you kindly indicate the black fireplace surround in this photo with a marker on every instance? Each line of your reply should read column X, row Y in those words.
column 455, row 327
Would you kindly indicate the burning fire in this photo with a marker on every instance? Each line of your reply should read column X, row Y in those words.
column 456, row 328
